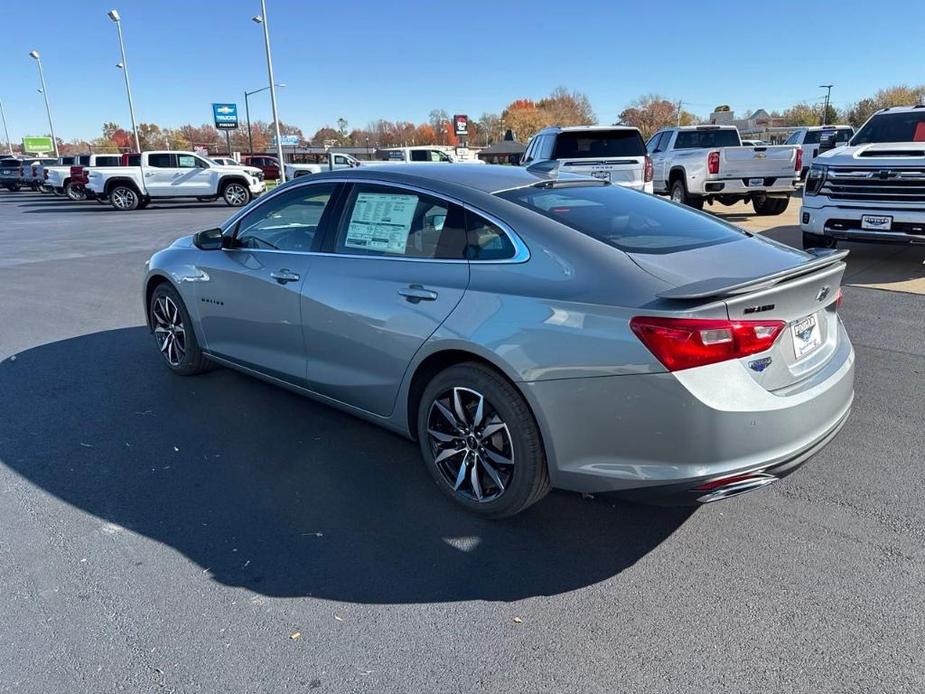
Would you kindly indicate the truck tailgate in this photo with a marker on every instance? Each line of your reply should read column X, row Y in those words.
column 758, row 162
column 624, row 171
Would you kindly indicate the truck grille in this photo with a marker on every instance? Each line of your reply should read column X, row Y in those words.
column 875, row 184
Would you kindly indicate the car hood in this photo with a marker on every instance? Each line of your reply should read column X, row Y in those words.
column 877, row 154
column 736, row 261
column 236, row 169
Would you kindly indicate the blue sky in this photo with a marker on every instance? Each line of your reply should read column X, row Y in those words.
column 398, row 60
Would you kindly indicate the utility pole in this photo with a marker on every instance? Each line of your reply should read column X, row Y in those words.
column 679, row 112
column 828, row 95
column 5, row 131
column 262, row 19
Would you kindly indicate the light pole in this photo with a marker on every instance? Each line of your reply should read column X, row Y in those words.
column 247, row 110
column 828, row 94
column 5, row 131
column 263, row 19
column 37, row 58
column 114, row 16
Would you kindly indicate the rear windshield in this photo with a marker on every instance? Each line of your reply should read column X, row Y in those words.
column 893, row 127
column 9, row 162
column 599, row 143
column 841, row 135
column 698, row 139
column 625, row 219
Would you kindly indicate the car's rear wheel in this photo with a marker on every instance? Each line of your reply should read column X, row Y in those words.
column 811, row 240
column 75, row 192
column 13, row 187
column 236, row 194
column 766, row 206
column 170, row 324
column 124, row 198
column 680, row 196
column 481, row 443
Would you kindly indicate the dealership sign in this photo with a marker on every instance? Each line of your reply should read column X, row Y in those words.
column 226, row 116
column 287, row 140
column 461, row 124
column 37, row 145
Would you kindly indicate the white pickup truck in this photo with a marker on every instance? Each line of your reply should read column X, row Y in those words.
column 61, row 179
column 170, row 175
column 419, row 154
column 702, row 163
column 614, row 153
column 872, row 189
column 336, row 160
column 807, row 139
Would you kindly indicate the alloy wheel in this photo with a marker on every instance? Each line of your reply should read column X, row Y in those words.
column 123, row 198
column 169, row 331
column 235, row 194
column 471, row 444
column 676, row 195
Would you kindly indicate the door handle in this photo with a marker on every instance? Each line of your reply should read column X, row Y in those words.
column 284, row 275
column 415, row 293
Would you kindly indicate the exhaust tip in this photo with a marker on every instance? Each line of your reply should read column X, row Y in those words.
column 741, row 484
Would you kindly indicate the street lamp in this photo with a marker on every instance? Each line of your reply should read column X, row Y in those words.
column 262, row 19
column 117, row 20
column 247, row 110
column 828, row 94
column 5, row 131
column 37, row 58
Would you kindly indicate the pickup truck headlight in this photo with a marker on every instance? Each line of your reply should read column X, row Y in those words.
column 815, row 178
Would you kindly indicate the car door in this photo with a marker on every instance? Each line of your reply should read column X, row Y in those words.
column 194, row 176
column 159, row 173
column 250, row 302
column 394, row 270
column 656, row 149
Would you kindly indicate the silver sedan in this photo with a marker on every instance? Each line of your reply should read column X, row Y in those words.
column 528, row 332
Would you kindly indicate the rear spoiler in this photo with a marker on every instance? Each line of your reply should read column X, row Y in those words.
column 726, row 286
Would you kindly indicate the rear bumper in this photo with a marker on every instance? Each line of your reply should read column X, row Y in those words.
column 661, row 434
column 821, row 216
column 740, row 186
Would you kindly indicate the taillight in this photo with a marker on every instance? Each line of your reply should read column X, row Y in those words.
column 713, row 163
column 35, row 171
column 683, row 343
column 649, row 171
column 839, row 298
column 798, row 167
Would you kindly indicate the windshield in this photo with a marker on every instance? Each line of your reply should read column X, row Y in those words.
column 698, row 139
column 893, row 127
column 633, row 222
column 9, row 162
column 598, row 143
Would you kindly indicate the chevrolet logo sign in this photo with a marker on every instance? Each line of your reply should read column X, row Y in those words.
column 883, row 174
column 225, row 109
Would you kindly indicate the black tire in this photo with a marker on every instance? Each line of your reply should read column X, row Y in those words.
column 235, row 194
column 75, row 192
column 211, row 198
column 679, row 194
column 766, row 207
column 182, row 355
column 124, row 198
column 35, row 186
column 14, row 187
column 523, row 482
column 58, row 191
column 811, row 240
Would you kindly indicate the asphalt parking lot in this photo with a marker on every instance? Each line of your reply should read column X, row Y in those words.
column 161, row 533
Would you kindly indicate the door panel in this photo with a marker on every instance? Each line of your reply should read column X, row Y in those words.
column 362, row 333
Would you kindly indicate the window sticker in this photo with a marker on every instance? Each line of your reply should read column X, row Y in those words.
column 381, row 222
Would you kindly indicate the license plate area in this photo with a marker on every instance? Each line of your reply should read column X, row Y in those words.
column 876, row 222
column 601, row 174
column 807, row 336
column 755, row 182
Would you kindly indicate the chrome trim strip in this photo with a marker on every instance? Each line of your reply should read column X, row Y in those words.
column 521, row 251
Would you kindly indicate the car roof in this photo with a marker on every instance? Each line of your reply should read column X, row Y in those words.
column 828, row 127
column 489, row 178
column 902, row 109
column 581, row 128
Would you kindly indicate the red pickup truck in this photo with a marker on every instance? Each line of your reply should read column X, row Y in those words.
column 269, row 165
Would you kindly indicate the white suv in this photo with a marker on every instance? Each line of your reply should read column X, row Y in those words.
column 610, row 152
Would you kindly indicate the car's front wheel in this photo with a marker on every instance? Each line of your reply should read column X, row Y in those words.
column 170, row 324
column 481, row 443
column 236, row 194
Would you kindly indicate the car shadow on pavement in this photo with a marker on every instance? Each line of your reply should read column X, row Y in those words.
column 273, row 492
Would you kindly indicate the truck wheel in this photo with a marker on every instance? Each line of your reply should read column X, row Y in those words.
column 765, row 207
column 817, row 241
column 75, row 192
column 236, row 194
column 124, row 198
column 14, row 187
column 680, row 196
column 35, row 186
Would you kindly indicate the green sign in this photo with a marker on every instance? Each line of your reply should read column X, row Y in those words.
column 37, row 145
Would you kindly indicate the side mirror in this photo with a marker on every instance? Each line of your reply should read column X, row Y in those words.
column 827, row 141
column 209, row 240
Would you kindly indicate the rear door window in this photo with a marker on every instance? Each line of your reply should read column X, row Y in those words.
column 162, row 160
column 624, row 219
column 391, row 221
column 487, row 241
column 598, row 143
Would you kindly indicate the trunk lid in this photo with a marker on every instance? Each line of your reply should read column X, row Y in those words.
column 778, row 161
column 624, row 171
column 769, row 282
